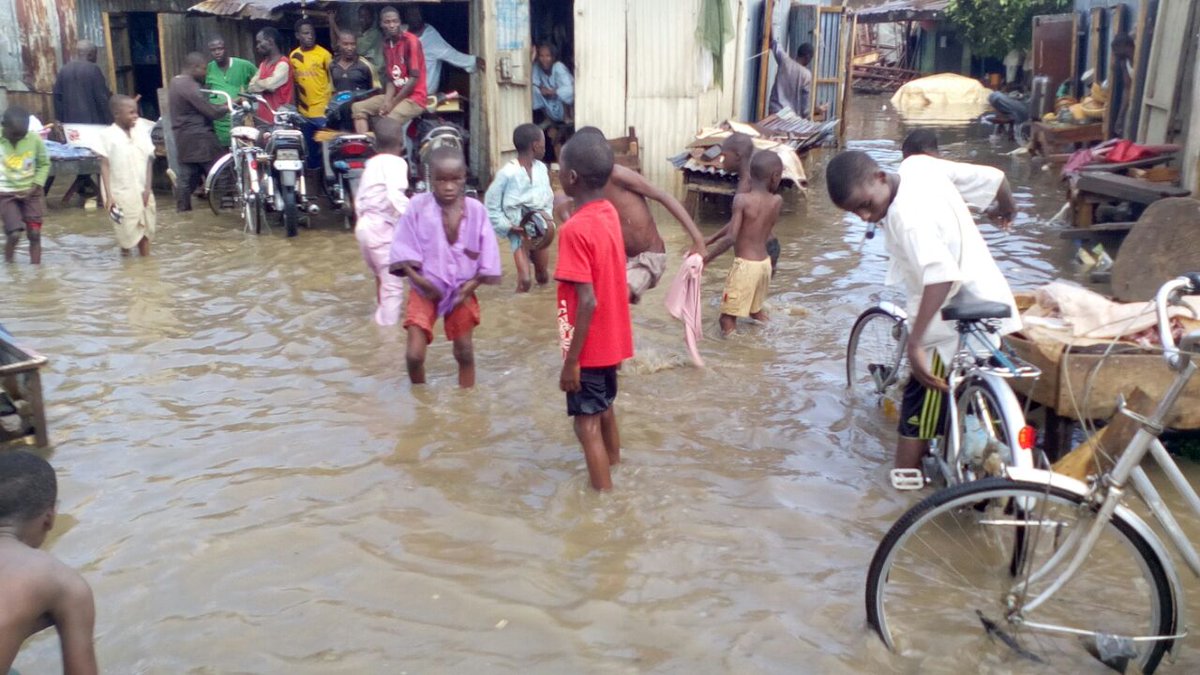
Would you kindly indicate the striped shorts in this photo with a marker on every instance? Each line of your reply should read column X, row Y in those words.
column 923, row 411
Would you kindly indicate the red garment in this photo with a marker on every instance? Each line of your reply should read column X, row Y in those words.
column 403, row 59
column 592, row 251
column 279, row 97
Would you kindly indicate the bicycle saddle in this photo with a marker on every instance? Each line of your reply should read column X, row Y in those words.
column 966, row 307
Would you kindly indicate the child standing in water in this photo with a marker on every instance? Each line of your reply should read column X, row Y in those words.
column 36, row 590
column 754, row 216
column 127, row 172
column 24, row 168
column 593, row 304
column 446, row 247
column 522, row 190
column 378, row 205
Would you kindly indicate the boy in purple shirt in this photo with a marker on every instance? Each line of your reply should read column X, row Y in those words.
column 445, row 245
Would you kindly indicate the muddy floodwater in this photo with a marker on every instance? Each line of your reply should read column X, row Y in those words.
column 251, row 485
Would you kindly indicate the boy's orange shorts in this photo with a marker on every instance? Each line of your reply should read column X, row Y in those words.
column 422, row 313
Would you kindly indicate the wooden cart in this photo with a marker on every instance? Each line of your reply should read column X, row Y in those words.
column 21, row 403
column 1075, row 385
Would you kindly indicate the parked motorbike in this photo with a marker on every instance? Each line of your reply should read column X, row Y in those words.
column 343, row 156
column 436, row 129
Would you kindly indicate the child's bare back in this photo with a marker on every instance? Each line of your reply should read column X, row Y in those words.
column 757, row 211
column 36, row 590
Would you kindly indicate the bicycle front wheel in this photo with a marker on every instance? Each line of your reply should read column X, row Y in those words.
column 946, row 582
column 224, row 191
column 875, row 352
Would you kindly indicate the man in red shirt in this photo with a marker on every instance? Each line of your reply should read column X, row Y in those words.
column 404, row 96
column 274, row 79
column 593, row 304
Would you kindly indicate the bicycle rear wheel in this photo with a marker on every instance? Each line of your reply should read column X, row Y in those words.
column 989, row 422
column 955, row 561
column 875, row 360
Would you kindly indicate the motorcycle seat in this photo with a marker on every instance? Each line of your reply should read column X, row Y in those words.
column 248, row 134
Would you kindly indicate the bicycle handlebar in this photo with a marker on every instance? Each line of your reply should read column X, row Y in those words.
column 221, row 94
column 1168, row 294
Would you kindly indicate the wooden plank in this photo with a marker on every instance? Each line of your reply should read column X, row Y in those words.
column 764, row 68
column 1094, row 230
column 1126, row 188
column 1098, row 453
column 108, row 49
column 1161, row 246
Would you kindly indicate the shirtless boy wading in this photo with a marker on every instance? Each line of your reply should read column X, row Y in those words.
column 645, row 251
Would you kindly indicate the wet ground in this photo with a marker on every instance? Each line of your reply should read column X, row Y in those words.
column 251, row 485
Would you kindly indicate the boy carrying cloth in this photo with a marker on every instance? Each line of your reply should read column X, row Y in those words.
column 36, row 590
column 593, row 304
column 445, row 245
column 754, row 216
column 24, row 168
column 936, row 252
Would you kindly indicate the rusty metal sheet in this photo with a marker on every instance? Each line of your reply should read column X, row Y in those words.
column 269, row 9
column 39, row 41
column 68, row 22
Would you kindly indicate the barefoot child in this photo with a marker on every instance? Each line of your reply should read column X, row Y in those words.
column 521, row 189
column 446, row 247
column 378, row 205
column 738, row 150
column 936, row 251
column 24, row 168
column 749, row 230
column 593, row 304
column 127, row 172
column 36, row 590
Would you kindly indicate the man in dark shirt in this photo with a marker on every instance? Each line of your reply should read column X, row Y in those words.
column 351, row 72
column 80, row 92
column 192, row 118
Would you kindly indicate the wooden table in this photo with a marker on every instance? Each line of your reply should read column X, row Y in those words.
column 1092, row 188
column 1050, row 139
column 84, row 169
column 21, row 387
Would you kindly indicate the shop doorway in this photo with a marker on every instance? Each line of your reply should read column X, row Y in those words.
column 552, row 24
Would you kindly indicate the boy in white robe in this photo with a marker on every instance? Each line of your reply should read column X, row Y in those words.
column 126, row 169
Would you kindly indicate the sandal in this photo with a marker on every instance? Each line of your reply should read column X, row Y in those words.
column 907, row 479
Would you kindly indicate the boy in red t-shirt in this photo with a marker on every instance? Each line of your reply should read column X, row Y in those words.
column 593, row 304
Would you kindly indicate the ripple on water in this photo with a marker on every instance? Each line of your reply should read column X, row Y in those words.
column 243, row 464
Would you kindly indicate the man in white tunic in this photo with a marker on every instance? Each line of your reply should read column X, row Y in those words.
column 126, row 170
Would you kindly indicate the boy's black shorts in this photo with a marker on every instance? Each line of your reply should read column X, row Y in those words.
column 597, row 391
column 923, row 411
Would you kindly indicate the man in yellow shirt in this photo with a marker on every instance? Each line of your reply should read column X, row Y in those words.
column 310, row 64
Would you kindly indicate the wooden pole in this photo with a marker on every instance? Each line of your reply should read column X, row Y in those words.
column 764, row 68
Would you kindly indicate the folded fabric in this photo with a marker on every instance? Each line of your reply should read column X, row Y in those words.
column 683, row 302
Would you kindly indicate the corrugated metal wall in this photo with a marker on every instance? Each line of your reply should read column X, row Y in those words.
column 600, row 63
column 506, row 105
column 11, row 70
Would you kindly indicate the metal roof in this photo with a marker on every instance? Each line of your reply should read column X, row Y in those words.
column 269, row 9
column 903, row 10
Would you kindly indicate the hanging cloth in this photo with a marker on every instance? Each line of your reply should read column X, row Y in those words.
column 715, row 29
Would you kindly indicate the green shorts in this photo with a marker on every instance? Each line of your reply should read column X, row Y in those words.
column 923, row 411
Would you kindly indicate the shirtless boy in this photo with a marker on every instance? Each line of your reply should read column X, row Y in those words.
column 645, row 252
column 749, row 230
column 738, row 150
column 36, row 590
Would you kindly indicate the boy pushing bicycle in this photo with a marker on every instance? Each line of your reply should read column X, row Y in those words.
column 936, row 252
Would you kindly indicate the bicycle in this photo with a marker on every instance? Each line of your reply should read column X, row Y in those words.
column 1040, row 561
column 235, row 183
column 983, row 410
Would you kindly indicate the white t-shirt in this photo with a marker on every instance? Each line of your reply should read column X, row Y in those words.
column 931, row 238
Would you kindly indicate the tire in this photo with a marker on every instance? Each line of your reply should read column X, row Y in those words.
column 989, row 405
column 875, row 361
column 956, row 553
column 224, row 193
column 291, row 212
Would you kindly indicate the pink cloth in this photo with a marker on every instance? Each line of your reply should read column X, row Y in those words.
column 378, row 205
column 683, row 302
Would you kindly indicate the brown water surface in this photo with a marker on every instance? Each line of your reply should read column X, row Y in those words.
column 251, row 485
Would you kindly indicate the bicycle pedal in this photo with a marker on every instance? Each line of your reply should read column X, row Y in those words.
column 907, row 479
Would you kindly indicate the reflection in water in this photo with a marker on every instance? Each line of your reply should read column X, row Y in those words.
column 253, row 486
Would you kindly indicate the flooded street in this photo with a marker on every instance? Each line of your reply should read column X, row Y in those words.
column 251, row 485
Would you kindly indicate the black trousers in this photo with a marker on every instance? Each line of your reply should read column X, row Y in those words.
column 191, row 176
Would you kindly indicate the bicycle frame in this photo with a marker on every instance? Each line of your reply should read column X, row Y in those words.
column 973, row 342
column 1109, row 490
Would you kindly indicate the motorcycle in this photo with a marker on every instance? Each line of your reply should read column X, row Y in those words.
column 343, row 156
column 285, row 150
column 436, row 131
